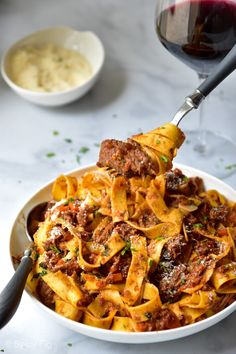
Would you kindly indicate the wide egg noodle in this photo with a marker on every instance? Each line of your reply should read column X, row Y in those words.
column 122, row 305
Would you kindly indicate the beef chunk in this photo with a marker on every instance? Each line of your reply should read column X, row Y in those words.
column 45, row 293
column 207, row 246
column 176, row 246
column 162, row 319
column 169, row 278
column 219, row 214
column 177, row 182
column 126, row 158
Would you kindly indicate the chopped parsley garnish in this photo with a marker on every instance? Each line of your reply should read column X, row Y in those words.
column 198, row 225
column 158, row 141
column 96, row 144
column 55, row 132
column 164, row 158
column 69, row 344
column 230, row 167
column 44, row 272
column 201, row 261
column 150, row 263
column 76, row 251
column 50, row 154
column 106, row 251
column 2, row 350
column 43, row 265
column 67, row 140
column 185, row 179
column 36, row 256
column 71, row 200
column 148, row 315
column 126, row 248
column 183, row 280
column 55, row 249
column 159, row 238
column 78, row 159
column 84, row 149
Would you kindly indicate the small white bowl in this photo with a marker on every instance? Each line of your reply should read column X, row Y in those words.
column 87, row 43
column 19, row 242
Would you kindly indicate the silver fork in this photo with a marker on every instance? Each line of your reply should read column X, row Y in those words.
column 225, row 68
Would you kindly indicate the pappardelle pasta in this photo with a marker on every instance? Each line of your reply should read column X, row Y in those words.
column 144, row 253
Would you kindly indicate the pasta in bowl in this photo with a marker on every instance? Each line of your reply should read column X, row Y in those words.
column 145, row 261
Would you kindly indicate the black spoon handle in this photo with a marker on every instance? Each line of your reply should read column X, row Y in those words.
column 11, row 295
column 223, row 69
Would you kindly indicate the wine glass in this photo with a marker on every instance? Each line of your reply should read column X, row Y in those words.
column 200, row 33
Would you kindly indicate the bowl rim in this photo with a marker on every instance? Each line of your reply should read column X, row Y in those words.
column 40, row 94
column 122, row 336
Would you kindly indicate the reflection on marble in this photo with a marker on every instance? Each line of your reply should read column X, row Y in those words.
column 140, row 88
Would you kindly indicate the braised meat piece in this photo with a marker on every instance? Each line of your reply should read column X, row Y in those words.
column 177, row 182
column 169, row 278
column 126, row 158
column 207, row 246
column 45, row 293
column 176, row 246
column 55, row 262
column 162, row 319
column 219, row 214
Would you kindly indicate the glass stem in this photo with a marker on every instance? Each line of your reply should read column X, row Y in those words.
column 201, row 147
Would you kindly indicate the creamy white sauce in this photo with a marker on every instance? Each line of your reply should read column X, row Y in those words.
column 48, row 68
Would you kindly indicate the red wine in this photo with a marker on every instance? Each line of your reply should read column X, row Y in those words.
column 198, row 32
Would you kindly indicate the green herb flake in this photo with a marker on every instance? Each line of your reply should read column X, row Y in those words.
column 150, row 263
column 78, row 159
column 43, row 265
column 55, row 132
column 50, row 154
column 106, row 251
column 230, row 167
column 158, row 141
column 126, row 248
column 159, row 238
column 2, row 350
column 44, row 272
column 164, row 158
column 71, row 200
column 201, row 261
column 198, row 225
column 67, row 140
column 69, row 344
column 185, row 179
column 183, row 280
column 36, row 256
column 148, row 315
column 96, row 145
column 76, row 251
column 84, row 149
column 55, row 249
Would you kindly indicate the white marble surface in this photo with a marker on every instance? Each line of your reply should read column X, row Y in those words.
column 141, row 86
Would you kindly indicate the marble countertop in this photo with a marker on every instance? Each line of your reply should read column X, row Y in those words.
column 140, row 87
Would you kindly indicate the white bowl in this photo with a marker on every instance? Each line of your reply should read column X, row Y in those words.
column 18, row 242
column 86, row 43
